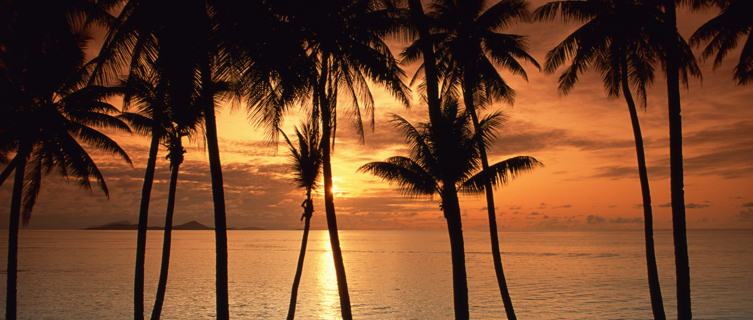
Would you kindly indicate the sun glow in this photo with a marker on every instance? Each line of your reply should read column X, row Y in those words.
column 329, row 302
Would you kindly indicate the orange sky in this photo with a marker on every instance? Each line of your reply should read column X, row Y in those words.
column 584, row 139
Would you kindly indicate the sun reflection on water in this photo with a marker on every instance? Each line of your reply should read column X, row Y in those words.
column 329, row 302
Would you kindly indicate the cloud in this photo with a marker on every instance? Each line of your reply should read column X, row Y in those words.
column 730, row 132
column 723, row 151
column 518, row 137
column 731, row 161
column 628, row 172
column 745, row 215
column 689, row 205
column 693, row 205
column 622, row 220
column 594, row 219
column 254, row 195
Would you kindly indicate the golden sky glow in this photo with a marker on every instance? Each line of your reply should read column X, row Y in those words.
column 584, row 139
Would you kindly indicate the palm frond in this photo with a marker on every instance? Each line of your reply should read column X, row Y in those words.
column 577, row 10
column 9, row 167
column 98, row 140
column 32, row 186
column 500, row 14
column 139, row 123
column 412, row 179
column 500, row 173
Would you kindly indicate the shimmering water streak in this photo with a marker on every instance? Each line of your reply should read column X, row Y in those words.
column 68, row 274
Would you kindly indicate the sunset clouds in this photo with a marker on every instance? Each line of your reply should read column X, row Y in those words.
column 584, row 140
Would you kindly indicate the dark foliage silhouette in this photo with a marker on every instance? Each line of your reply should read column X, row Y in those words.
column 469, row 44
column 612, row 41
column 444, row 160
column 678, row 62
column 184, row 51
column 306, row 164
column 46, row 112
column 344, row 40
column 167, row 125
column 723, row 32
column 175, row 155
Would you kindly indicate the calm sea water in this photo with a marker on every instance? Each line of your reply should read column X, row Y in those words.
column 71, row 274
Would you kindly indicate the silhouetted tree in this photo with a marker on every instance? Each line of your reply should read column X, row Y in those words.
column 724, row 31
column 420, row 22
column 678, row 60
column 175, row 153
column 186, row 54
column 149, row 95
column 9, row 165
column 469, row 45
column 306, row 164
column 344, row 40
column 443, row 161
column 612, row 40
column 46, row 111
column 151, row 118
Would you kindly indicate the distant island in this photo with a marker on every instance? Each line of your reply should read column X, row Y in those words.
column 125, row 225
column 190, row 225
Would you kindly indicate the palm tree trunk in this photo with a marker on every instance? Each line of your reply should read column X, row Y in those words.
column 430, row 68
column 494, row 234
column 657, row 304
column 167, row 238
column 329, row 199
column 301, row 256
column 682, row 266
column 451, row 208
column 15, row 213
column 218, row 196
column 8, row 169
column 146, row 191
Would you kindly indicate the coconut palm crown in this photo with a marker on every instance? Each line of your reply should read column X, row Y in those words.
column 723, row 32
column 444, row 158
column 306, row 164
column 306, row 159
column 613, row 42
column 452, row 156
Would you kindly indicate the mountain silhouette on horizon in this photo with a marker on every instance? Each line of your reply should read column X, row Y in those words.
column 125, row 225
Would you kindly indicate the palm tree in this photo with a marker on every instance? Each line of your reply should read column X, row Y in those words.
column 175, row 153
column 152, row 102
column 344, row 40
column 420, row 22
column 443, row 161
column 722, row 33
column 678, row 61
column 306, row 166
column 47, row 135
column 469, row 45
column 158, row 118
column 46, row 110
column 612, row 40
column 8, row 169
column 184, row 51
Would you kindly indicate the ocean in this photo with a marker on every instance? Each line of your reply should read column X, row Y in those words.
column 88, row 274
